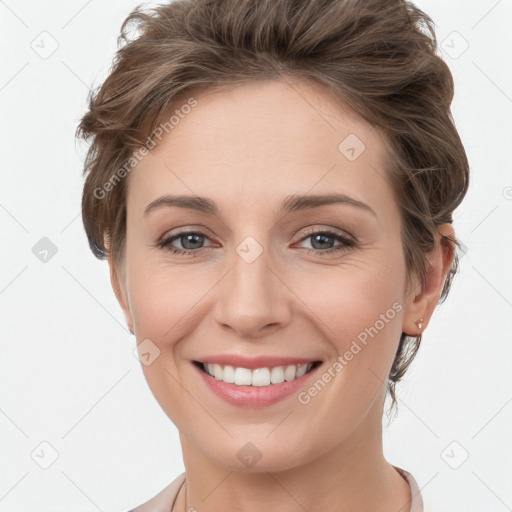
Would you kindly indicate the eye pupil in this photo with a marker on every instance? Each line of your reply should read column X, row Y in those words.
column 323, row 238
column 185, row 239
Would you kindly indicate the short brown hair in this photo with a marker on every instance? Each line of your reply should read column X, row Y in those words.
column 378, row 56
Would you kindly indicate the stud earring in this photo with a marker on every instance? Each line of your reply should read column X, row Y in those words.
column 419, row 323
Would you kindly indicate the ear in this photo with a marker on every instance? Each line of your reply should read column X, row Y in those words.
column 118, row 285
column 422, row 300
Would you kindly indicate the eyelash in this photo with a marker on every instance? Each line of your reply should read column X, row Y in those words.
column 346, row 243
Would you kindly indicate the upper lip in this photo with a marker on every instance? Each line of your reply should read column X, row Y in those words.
column 254, row 362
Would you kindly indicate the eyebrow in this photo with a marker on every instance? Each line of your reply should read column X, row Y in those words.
column 292, row 203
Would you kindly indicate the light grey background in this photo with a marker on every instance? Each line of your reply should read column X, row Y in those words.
column 68, row 374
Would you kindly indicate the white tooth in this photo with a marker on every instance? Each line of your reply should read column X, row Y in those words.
column 301, row 370
column 229, row 374
column 277, row 375
column 243, row 376
column 289, row 373
column 258, row 376
column 261, row 377
column 217, row 370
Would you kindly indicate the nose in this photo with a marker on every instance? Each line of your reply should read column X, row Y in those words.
column 253, row 301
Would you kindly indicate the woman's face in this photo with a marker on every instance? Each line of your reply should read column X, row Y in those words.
column 266, row 275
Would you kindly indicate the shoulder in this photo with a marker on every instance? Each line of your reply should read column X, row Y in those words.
column 417, row 504
column 421, row 502
column 164, row 499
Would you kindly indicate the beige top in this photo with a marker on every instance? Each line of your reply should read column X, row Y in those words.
column 164, row 500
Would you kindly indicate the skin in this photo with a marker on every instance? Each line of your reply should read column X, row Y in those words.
column 247, row 149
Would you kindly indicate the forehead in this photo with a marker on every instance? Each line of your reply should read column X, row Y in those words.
column 263, row 139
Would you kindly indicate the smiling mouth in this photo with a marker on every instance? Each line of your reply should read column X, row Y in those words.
column 258, row 377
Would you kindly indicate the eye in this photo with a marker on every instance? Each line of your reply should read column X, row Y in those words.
column 323, row 240
column 190, row 240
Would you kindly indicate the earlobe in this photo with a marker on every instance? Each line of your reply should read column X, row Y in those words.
column 120, row 293
column 424, row 298
column 415, row 317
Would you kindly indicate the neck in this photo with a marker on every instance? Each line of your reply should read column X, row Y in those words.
column 353, row 475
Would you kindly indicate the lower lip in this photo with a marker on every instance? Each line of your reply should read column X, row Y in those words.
column 254, row 396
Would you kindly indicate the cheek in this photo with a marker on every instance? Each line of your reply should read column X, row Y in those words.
column 165, row 300
column 166, row 307
column 364, row 327
column 349, row 298
column 362, row 304
column 360, row 307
